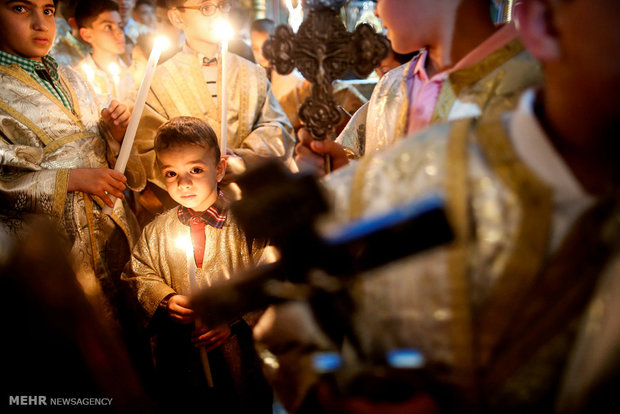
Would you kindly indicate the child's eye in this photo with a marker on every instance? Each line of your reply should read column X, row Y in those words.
column 196, row 170
column 49, row 12
column 19, row 9
column 170, row 174
column 108, row 27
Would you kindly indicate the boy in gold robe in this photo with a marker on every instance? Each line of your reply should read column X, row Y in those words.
column 57, row 150
column 163, row 276
column 189, row 84
column 103, row 69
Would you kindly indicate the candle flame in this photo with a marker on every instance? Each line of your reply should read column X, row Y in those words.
column 88, row 71
column 114, row 69
column 224, row 29
column 295, row 14
column 161, row 42
column 184, row 243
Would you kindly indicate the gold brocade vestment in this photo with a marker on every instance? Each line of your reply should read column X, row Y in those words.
column 159, row 267
column 486, row 88
column 455, row 303
column 257, row 126
column 41, row 141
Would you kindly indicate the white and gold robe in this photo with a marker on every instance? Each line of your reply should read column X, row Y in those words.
column 514, row 205
column 40, row 142
column 517, row 211
column 159, row 267
column 488, row 87
column 257, row 126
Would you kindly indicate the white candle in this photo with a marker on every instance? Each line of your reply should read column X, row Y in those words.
column 225, row 31
column 161, row 43
column 185, row 243
column 191, row 268
column 224, row 113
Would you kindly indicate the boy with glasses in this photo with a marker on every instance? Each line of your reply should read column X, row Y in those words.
column 190, row 84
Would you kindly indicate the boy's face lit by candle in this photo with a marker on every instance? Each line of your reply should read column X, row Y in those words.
column 191, row 175
column 27, row 29
column 198, row 28
column 105, row 33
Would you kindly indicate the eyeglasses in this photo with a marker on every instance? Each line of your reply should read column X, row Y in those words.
column 208, row 9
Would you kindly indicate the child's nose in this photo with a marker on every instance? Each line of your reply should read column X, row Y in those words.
column 39, row 22
column 118, row 32
column 185, row 181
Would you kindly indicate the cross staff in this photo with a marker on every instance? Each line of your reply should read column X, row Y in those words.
column 323, row 50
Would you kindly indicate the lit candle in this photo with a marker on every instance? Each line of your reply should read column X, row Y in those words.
column 295, row 14
column 90, row 78
column 225, row 31
column 185, row 243
column 161, row 43
column 115, row 71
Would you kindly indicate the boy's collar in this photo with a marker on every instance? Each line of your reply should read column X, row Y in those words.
column 214, row 216
column 187, row 49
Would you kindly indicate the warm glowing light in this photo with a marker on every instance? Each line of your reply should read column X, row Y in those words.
column 224, row 29
column 88, row 71
column 90, row 77
column 295, row 14
column 161, row 42
column 184, row 243
column 114, row 69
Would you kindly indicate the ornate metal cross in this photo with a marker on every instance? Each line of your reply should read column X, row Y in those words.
column 323, row 50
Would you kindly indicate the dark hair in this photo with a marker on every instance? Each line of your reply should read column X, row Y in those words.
column 87, row 11
column 263, row 26
column 170, row 4
column 145, row 2
column 186, row 130
column 66, row 8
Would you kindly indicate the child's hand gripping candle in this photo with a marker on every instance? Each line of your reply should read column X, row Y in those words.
column 185, row 243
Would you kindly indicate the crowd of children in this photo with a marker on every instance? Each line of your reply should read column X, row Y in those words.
column 532, row 194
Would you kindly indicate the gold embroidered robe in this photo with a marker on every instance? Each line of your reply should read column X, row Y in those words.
column 104, row 85
column 257, row 126
column 159, row 266
column 40, row 142
column 488, row 87
column 67, row 50
column 455, row 303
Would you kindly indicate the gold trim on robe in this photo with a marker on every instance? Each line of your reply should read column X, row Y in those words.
column 491, row 86
column 41, row 142
column 257, row 126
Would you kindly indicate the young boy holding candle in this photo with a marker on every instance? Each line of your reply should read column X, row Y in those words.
column 56, row 151
column 99, row 23
column 190, row 84
column 161, row 275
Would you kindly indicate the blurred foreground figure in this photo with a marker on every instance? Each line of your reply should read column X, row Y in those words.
column 520, row 313
column 57, row 341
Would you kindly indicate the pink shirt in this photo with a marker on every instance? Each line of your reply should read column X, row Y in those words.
column 423, row 92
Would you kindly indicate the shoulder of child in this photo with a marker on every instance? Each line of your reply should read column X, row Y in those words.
column 161, row 221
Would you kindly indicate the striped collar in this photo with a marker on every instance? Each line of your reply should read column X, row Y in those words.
column 214, row 216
